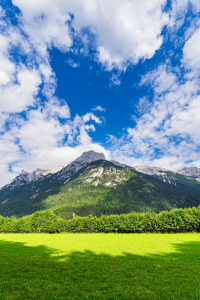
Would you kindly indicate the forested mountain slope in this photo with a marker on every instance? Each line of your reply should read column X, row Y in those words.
column 90, row 185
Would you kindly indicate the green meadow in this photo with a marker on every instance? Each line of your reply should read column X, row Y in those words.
column 100, row 266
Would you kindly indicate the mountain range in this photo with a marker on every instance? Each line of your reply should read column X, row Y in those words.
column 93, row 185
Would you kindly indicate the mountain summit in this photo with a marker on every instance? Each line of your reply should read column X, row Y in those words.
column 90, row 156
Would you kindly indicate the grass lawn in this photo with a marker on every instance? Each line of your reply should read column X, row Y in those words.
column 100, row 266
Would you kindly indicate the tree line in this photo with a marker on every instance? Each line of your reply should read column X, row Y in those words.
column 176, row 220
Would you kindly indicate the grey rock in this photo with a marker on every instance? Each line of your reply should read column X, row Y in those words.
column 151, row 170
column 190, row 172
column 90, row 156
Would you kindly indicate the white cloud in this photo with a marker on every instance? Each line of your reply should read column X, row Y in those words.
column 4, row 79
column 166, row 162
column 163, row 79
column 45, row 23
column 179, row 11
column 9, row 153
column 124, row 30
column 39, row 132
column 7, row 67
column 166, row 132
column 99, row 108
column 72, row 63
column 115, row 80
column 191, row 48
column 57, row 108
column 91, row 116
column 19, row 83
column 84, row 137
column 16, row 97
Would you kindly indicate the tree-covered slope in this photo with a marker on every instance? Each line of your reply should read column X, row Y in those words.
column 98, row 187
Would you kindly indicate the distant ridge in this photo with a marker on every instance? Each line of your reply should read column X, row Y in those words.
column 151, row 170
column 25, row 176
column 190, row 172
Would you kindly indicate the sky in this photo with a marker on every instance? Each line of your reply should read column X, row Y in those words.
column 119, row 77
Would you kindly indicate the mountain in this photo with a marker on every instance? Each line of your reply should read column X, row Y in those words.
column 151, row 170
column 164, row 174
column 89, row 156
column 92, row 185
column 25, row 177
column 179, row 178
column 190, row 172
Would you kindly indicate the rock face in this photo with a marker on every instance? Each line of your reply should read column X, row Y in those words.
column 190, row 172
column 151, row 170
column 90, row 156
column 25, row 177
column 21, row 178
column 35, row 175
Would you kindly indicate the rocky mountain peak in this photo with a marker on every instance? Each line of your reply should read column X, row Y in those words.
column 25, row 177
column 23, row 172
column 90, row 156
column 190, row 171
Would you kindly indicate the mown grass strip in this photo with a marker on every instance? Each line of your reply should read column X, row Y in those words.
column 100, row 266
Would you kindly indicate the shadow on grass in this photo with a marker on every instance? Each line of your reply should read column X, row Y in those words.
column 41, row 273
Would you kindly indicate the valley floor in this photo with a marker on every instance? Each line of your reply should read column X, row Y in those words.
column 100, row 266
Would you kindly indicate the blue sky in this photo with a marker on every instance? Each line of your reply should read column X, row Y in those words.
column 119, row 77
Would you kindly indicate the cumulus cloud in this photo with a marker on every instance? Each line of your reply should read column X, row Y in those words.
column 166, row 132
column 17, row 97
column 91, row 116
column 99, row 108
column 44, row 140
column 115, row 80
column 72, row 63
column 45, row 22
column 191, row 57
column 179, row 11
column 36, row 126
column 124, row 30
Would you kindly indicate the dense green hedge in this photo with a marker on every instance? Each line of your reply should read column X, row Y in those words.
column 177, row 220
column 38, row 222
